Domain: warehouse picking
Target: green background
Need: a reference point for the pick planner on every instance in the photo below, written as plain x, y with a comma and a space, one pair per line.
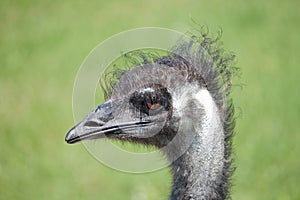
43, 43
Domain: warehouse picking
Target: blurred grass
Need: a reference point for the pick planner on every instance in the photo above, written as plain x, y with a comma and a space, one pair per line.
42, 44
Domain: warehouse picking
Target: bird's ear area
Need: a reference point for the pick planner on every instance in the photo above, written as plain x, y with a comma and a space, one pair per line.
192, 109
195, 105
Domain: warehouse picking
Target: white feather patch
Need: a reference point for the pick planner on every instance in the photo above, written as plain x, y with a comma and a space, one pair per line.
212, 120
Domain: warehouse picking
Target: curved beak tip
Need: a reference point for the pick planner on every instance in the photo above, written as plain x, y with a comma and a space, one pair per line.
72, 136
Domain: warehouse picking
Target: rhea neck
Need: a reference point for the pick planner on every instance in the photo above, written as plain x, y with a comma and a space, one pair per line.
197, 173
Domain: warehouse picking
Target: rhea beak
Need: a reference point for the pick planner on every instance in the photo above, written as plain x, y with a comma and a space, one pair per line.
101, 123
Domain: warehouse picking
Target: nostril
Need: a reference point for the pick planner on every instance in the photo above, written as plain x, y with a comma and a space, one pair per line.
93, 124
106, 117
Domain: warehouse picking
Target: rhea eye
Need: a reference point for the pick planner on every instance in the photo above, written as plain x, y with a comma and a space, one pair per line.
153, 105
150, 100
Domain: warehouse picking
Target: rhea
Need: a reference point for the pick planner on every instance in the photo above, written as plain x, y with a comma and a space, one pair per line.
179, 103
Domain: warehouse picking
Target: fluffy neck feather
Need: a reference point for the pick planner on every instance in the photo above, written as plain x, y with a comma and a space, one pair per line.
198, 173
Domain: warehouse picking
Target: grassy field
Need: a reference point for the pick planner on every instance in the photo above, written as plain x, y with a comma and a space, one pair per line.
43, 43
